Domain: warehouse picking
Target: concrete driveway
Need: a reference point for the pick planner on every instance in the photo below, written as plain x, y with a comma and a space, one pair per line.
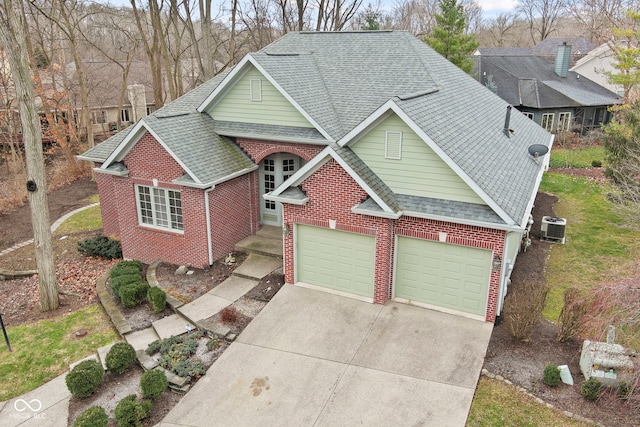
315, 359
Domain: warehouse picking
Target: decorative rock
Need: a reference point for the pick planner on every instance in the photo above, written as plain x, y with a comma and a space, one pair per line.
179, 390
221, 331
182, 270
490, 375
230, 337
147, 362
499, 377
506, 381
568, 414
173, 378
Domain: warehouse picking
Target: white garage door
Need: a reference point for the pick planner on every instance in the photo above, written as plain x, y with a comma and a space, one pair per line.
443, 275
335, 259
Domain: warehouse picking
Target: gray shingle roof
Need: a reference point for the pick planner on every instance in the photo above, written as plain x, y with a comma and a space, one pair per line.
548, 46
340, 79
512, 76
103, 150
191, 138
269, 132
448, 208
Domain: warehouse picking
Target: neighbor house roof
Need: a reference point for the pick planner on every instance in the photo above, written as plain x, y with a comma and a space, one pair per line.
548, 46
531, 81
343, 83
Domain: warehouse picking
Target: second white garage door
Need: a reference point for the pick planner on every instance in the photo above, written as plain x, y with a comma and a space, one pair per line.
443, 275
335, 259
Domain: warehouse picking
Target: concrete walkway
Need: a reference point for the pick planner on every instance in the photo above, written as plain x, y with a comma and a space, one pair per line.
54, 227
314, 359
48, 405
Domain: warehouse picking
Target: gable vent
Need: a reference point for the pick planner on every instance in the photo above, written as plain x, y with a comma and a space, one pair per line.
393, 145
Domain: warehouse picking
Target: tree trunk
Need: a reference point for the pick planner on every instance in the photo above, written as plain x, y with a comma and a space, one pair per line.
12, 30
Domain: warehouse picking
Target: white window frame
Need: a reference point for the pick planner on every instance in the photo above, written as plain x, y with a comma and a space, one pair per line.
549, 125
160, 210
393, 147
561, 122
98, 117
255, 90
529, 115
125, 115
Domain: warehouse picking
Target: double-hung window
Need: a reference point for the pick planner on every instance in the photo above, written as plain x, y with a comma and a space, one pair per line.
547, 121
159, 207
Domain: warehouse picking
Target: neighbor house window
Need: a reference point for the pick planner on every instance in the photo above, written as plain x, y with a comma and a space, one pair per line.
150, 109
98, 117
529, 115
159, 207
255, 89
547, 121
393, 145
125, 115
564, 121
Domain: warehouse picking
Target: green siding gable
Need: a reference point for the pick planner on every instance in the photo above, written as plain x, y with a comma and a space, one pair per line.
274, 109
419, 171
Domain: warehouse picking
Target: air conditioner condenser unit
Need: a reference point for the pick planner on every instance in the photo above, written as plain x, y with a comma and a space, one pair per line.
552, 229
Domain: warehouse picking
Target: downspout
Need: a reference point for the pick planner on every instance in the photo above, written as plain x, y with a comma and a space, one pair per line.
208, 220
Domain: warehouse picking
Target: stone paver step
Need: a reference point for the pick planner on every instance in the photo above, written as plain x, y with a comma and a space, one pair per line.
233, 288
203, 307
171, 326
271, 232
261, 245
140, 340
257, 266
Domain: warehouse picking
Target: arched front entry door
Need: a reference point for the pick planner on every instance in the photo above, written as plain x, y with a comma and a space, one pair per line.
274, 170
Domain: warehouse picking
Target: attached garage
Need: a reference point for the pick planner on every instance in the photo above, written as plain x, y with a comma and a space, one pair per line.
442, 275
335, 260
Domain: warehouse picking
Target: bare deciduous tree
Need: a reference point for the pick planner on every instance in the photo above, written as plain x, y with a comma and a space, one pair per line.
542, 16
12, 37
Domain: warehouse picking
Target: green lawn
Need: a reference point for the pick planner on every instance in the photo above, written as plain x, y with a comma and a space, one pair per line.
576, 158
44, 350
86, 220
496, 404
598, 244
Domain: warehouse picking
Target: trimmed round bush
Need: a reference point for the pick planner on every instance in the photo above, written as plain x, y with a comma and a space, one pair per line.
119, 281
124, 270
120, 357
129, 263
100, 246
153, 383
157, 298
590, 388
551, 375
92, 417
85, 378
623, 390
133, 294
130, 413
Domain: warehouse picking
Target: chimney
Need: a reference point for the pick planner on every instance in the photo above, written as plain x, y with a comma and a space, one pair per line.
138, 100
563, 55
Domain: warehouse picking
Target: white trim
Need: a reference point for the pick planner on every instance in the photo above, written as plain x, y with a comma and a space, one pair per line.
315, 163
545, 166
207, 213
398, 156
440, 309
153, 208
301, 202
133, 137
237, 72
217, 181
110, 172
550, 128
387, 215
89, 159
391, 105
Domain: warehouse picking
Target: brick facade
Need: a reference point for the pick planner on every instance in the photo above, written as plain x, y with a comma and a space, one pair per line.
332, 193
229, 207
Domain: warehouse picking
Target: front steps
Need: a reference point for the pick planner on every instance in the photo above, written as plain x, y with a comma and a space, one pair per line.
267, 241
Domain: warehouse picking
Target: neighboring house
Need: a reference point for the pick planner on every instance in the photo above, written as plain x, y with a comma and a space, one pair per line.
104, 78
393, 174
596, 65
548, 47
547, 92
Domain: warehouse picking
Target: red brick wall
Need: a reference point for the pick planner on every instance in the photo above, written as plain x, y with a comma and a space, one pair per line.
332, 193
258, 150
233, 215
232, 219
